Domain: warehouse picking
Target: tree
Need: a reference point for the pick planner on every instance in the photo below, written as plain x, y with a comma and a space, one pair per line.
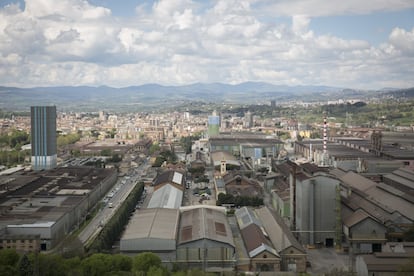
73, 266
25, 267
96, 264
157, 271
8, 270
225, 199
8, 262
144, 261
154, 148
115, 158
9, 257
121, 262
49, 264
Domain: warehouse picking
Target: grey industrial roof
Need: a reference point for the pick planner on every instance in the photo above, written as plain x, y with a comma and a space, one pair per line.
243, 139
39, 196
404, 177
246, 216
255, 241
337, 150
392, 201
167, 196
379, 262
398, 153
277, 230
170, 176
204, 223
156, 223
378, 202
356, 217
357, 181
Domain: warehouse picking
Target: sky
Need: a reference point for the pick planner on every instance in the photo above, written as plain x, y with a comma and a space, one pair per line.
356, 44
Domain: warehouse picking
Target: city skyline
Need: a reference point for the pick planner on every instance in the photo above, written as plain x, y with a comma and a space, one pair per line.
355, 44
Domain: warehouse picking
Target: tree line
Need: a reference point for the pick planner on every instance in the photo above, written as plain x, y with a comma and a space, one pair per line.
239, 201
98, 264
115, 226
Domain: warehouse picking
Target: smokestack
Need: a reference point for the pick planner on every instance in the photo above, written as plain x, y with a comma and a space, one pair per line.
325, 136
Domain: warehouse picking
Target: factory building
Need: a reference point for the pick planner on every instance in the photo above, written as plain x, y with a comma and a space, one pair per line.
246, 145
374, 212
168, 190
260, 251
43, 207
152, 230
205, 240
269, 243
315, 209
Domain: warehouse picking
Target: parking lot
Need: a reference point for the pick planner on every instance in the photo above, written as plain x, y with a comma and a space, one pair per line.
197, 194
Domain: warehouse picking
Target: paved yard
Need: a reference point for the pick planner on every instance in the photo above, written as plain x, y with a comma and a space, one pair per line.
326, 259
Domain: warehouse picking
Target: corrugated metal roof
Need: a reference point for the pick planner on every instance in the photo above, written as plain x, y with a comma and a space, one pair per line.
277, 230
245, 217
169, 176
393, 202
356, 217
153, 223
357, 181
378, 263
167, 196
408, 183
255, 241
204, 223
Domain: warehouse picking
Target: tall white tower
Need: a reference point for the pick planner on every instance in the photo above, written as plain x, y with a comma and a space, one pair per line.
325, 156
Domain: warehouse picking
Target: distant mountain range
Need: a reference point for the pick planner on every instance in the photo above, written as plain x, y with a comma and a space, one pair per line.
151, 96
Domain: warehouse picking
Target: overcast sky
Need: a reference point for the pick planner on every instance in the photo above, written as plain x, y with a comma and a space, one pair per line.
344, 43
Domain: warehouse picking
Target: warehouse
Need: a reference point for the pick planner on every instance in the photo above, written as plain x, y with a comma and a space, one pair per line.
49, 204
292, 254
168, 196
168, 190
152, 230
261, 252
205, 240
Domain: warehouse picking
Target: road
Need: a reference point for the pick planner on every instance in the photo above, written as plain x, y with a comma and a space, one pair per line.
120, 191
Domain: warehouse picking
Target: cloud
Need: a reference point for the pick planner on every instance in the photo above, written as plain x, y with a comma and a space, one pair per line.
315, 8
300, 23
402, 40
72, 9
72, 42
